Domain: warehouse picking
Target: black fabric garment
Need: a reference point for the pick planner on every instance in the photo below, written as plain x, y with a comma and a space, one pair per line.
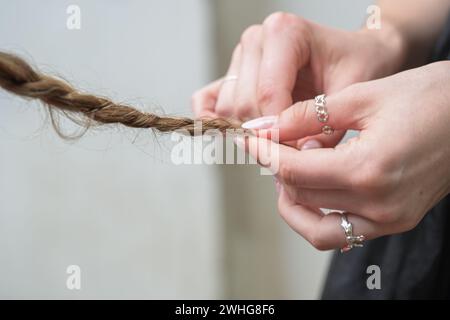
414, 265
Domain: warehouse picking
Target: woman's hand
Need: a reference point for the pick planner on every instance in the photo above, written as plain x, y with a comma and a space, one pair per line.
387, 178
289, 59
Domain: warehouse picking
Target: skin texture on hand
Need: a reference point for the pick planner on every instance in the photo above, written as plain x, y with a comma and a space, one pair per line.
419, 22
288, 59
397, 169
387, 178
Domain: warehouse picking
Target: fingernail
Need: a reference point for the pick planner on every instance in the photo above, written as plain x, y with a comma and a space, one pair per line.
239, 141
311, 144
260, 123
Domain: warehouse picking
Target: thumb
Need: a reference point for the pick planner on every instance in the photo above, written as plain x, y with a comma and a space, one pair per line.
346, 109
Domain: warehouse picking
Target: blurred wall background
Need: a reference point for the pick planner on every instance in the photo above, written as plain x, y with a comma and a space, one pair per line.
112, 202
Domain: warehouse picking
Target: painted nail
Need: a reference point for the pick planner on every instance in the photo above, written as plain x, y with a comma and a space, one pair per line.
260, 123
311, 144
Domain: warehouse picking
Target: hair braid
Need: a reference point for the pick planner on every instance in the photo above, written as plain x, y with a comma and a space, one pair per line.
18, 77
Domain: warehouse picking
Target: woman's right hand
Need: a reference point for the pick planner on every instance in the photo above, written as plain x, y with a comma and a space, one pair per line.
289, 59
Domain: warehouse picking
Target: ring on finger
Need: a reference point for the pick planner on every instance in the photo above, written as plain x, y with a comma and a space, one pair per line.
322, 113
231, 77
352, 240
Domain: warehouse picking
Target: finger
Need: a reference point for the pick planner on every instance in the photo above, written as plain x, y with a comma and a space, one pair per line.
323, 168
322, 198
346, 109
324, 232
281, 60
317, 141
225, 101
338, 199
325, 141
304, 144
204, 100
245, 102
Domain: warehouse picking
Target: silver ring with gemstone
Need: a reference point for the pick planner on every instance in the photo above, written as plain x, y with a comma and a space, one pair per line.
322, 113
352, 240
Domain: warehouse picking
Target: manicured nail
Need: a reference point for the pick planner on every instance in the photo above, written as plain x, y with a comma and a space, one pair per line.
260, 123
311, 144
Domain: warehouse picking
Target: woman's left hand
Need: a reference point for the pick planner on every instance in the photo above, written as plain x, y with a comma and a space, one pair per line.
387, 178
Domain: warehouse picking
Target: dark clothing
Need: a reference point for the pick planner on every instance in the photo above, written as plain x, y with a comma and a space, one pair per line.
442, 50
413, 265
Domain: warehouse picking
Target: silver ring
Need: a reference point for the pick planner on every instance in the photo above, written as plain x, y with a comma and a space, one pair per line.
230, 78
352, 241
322, 113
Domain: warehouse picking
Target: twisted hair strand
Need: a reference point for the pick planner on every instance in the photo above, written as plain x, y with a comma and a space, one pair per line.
18, 77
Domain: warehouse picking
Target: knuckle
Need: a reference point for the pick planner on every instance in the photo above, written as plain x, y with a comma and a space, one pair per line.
373, 179
383, 216
280, 20
250, 34
244, 110
224, 105
298, 112
355, 89
266, 94
288, 174
224, 111
408, 224
318, 241
403, 223
402, 216
357, 94
244, 106
381, 212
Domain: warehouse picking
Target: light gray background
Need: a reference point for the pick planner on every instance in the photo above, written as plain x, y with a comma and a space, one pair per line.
112, 202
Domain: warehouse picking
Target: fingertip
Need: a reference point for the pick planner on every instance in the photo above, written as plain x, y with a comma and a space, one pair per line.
311, 144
